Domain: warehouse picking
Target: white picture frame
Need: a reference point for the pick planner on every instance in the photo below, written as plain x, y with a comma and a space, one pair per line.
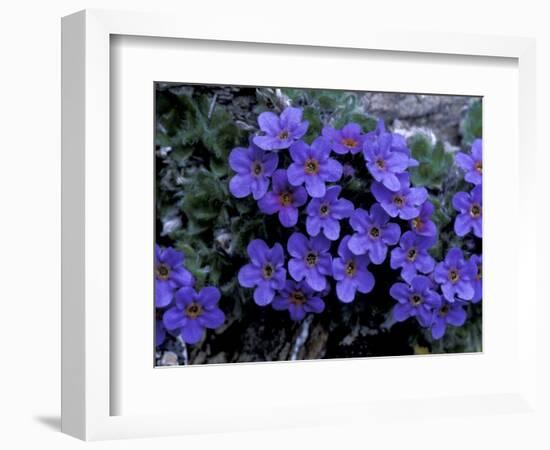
87, 325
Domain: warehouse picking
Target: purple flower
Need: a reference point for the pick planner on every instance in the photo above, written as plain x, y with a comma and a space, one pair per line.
324, 213
471, 164
351, 273
280, 132
373, 233
283, 199
405, 202
455, 276
447, 314
299, 299
416, 299
310, 260
169, 275
265, 272
313, 166
477, 280
470, 209
348, 139
422, 224
398, 143
412, 255
194, 312
253, 167
386, 155
160, 332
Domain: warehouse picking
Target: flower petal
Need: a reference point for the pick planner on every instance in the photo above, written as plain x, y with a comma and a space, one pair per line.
164, 293
192, 332
212, 318
174, 318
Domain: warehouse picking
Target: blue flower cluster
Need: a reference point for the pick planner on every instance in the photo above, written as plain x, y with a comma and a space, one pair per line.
180, 310
433, 292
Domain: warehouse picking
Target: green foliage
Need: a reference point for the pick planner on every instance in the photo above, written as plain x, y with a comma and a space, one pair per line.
434, 162
335, 108
472, 124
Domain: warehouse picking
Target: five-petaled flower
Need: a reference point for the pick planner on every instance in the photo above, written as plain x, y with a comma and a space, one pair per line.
170, 274
280, 132
472, 164
398, 142
404, 202
373, 233
253, 167
478, 279
351, 273
283, 199
469, 206
456, 275
412, 255
310, 260
348, 139
422, 224
313, 166
265, 271
298, 298
324, 214
416, 299
383, 160
194, 312
447, 314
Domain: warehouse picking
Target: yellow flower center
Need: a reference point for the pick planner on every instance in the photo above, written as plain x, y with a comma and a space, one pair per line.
311, 167
479, 166
162, 272
351, 268
257, 168
297, 298
324, 210
268, 271
311, 259
285, 198
411, 254
374, 232
399, 201
283, 135
193, 310
453, 275
475, 211
416, 299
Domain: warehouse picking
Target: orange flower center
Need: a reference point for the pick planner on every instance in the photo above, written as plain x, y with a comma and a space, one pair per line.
349, 142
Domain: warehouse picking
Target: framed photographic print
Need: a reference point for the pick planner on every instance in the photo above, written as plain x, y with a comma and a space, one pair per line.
262, 231
303, 201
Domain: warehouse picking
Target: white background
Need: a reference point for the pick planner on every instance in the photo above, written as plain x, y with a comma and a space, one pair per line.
30, 193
